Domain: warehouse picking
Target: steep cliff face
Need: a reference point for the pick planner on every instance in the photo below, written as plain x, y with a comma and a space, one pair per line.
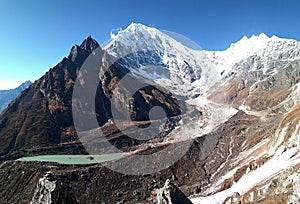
41, 117
41, 114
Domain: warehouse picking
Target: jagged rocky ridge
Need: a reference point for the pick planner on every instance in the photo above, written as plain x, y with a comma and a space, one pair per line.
252, 156
40, 119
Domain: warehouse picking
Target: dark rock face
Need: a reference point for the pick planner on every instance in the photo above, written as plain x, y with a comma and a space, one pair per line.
41, 117
6, 96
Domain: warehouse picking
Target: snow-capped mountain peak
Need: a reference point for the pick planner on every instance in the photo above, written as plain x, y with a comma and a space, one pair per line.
265, 48
132, 28
137, 27
258, 43
253, 43
135, 37
167, 58
170, 63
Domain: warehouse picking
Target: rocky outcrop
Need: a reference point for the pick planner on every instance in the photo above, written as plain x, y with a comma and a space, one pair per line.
170, 194
42, 194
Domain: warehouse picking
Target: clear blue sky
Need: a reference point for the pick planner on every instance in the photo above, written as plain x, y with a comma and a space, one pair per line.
37, 34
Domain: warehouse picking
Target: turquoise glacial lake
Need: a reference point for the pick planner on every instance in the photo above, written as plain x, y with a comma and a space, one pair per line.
73, 159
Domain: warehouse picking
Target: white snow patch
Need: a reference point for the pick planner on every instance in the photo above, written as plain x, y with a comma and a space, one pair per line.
250, 180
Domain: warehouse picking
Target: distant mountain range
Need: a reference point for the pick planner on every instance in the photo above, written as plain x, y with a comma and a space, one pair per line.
6, 96
241, 107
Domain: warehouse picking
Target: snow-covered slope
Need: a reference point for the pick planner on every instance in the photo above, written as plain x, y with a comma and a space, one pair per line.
264, 52
155, 55
184, 70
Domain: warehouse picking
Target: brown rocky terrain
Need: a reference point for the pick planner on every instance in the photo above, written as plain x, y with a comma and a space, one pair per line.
41, 117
